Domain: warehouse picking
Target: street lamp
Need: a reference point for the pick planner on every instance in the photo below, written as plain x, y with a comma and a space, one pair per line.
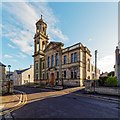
9, 66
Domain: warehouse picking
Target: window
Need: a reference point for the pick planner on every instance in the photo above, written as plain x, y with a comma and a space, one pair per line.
75, 57
71, 74
52, 60
72, 58
43, 76
36, 76
65, 59
48, 61
56, 59
88, 63
36, 66
64, 74
43, 65
57, 75
75, 75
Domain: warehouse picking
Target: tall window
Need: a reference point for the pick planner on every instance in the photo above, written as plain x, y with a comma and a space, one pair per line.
75, 57
43, 65
88, 65
64, 74
36, 76
65, 59
71, 74
52, 60
72, 58
43, 76
48, 61
57, 75
56, 59
36, 66
75, 74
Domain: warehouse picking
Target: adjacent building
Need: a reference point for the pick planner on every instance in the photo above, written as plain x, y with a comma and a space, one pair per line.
21, 77
2, 72
55, 64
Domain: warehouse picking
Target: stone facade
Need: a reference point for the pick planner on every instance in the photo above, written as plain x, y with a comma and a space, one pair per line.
2, 72
58, 65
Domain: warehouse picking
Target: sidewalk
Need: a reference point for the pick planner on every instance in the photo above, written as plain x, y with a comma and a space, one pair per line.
97, 95
8, 101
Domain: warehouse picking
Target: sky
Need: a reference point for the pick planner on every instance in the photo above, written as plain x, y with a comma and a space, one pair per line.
94, 24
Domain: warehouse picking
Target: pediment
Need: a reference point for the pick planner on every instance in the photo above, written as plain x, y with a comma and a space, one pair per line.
53, 45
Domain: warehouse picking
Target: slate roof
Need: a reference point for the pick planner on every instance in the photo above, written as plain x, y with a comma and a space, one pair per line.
20, 71
1, 64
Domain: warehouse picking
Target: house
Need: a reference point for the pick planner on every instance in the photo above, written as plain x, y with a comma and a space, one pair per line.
21, 77
2, 72
55, 64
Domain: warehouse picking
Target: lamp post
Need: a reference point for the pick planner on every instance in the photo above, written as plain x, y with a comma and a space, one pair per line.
9, 66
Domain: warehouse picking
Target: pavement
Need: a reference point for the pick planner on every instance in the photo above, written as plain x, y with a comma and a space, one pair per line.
8, 101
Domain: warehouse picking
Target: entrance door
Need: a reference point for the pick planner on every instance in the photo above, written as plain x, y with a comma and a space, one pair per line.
52, 78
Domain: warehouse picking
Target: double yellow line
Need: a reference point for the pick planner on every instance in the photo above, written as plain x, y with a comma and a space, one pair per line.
22, 102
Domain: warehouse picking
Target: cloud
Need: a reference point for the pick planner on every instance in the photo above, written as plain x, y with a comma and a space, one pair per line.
21, 55
7, 56
106, 63
19, 26
11, 45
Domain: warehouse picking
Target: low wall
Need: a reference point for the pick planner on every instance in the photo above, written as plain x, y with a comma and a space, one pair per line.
105, 90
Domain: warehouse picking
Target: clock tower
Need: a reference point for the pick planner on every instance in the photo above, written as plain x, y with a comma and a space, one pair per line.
40, 43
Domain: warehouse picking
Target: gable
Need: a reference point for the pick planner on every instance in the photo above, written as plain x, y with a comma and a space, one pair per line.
53, 45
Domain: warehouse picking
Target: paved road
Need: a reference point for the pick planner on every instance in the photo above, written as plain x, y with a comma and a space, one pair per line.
57, 104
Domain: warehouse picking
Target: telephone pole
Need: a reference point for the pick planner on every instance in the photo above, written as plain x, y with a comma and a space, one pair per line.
95, 64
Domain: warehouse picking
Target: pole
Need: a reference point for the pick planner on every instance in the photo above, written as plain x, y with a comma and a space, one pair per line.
9, 79
95, 68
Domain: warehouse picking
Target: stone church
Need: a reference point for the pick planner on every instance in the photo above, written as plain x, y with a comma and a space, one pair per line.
56, 65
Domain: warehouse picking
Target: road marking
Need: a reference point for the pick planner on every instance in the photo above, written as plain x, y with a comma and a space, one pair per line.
22, 102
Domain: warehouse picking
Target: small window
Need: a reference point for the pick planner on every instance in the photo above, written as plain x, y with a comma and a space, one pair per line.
43, 65
43, 76
56, 59
36, 76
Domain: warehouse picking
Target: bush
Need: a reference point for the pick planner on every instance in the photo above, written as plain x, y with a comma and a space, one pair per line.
111, 82
102, 81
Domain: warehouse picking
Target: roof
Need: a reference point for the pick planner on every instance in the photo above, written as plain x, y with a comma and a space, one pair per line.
1, 64
20, 71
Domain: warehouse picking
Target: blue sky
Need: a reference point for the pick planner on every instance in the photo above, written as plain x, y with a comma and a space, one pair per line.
93, 24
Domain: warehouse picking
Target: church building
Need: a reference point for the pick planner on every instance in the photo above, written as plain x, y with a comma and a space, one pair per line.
56, 65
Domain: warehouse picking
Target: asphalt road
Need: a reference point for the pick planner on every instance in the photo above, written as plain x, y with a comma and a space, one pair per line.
56, 104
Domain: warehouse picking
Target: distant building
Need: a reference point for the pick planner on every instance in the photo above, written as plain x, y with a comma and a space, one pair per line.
2, 72
21, 77
54, 64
